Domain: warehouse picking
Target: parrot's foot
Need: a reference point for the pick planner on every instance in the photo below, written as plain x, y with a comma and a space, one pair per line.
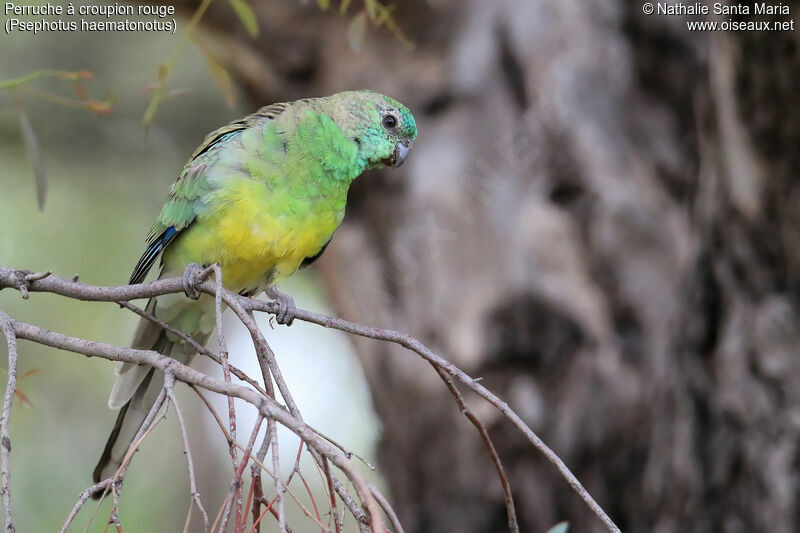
286, 307
193, 275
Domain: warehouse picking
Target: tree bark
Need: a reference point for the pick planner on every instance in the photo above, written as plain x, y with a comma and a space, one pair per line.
600, 217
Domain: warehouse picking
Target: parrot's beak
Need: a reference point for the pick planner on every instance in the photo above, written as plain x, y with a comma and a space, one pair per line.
400, 153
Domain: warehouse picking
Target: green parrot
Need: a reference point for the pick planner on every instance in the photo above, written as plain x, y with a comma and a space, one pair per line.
261, 197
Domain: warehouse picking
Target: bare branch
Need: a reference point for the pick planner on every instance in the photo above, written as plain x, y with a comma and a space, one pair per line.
237, 480
387, 508
236, 498
329, 481
255, 472
82, 499
487, 441
169, 382
437, 361
243, 307
268, 407
256, 461
5, 439
193, 343
279, 487
266, 358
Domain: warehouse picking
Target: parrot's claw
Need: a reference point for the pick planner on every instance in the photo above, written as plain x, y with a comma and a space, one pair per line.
286, 307
191, 276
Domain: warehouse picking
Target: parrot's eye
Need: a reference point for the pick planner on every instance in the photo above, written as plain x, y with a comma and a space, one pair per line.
389, 121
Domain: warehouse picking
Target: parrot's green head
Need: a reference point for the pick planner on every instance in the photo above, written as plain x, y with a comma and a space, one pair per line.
382, 128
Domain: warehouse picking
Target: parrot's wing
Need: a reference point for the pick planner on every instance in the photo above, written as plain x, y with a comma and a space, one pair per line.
267, 112
179, 210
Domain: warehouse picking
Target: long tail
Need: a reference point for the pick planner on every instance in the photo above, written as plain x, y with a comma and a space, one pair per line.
137, 387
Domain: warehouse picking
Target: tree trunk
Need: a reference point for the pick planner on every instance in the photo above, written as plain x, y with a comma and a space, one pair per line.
601, 218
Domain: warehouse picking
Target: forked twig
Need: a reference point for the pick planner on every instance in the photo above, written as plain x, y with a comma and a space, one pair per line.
202, 350
169, 382
513, 525
243, 307
258, 463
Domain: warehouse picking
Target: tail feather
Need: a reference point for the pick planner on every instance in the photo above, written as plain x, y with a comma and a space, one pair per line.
127, 425
138, 386
105, 459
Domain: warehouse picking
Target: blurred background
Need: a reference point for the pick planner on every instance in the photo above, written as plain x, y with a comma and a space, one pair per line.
600, 217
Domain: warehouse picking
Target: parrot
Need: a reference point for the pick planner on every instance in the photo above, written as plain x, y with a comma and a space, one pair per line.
261, 197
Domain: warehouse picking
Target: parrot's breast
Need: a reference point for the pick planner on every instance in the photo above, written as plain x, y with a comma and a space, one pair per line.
259, 235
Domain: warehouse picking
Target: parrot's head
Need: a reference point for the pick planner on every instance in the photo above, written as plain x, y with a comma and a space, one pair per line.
382, 128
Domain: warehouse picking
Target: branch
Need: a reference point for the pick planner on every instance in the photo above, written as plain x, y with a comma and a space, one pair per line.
257, 464
226, 372
487, 441
268, 407
279, 487
82, 499
202, 350
6, 325
437, 361
27, 282
169, 381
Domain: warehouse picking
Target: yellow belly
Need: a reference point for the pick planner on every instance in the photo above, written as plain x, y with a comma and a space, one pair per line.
257, 235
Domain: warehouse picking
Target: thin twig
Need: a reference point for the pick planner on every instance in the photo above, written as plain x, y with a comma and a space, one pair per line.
144, 430
256, 461
226, 372
82, 499
115, 481
237, 478
255, 475
296, 470
57, 285
291, 493
265, 354
437, 361
257, 522
255, 472
5, 438
114, 517
225, 505
329, 480
193, 343
248, 503
35, 276
311, 497
513, 526
279, 486
387, 508
169, 382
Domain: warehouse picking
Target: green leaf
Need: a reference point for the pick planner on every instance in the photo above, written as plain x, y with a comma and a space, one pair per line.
561, 527
384, 14
324, 4
371, 6
220, 75
356, 31
246, 15
59, 74
35, 155
343, 7
163, 72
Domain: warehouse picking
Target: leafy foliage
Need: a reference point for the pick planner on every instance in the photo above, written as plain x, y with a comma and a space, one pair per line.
21, 84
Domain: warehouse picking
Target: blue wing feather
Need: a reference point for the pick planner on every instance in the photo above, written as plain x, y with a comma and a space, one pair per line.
154, 247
